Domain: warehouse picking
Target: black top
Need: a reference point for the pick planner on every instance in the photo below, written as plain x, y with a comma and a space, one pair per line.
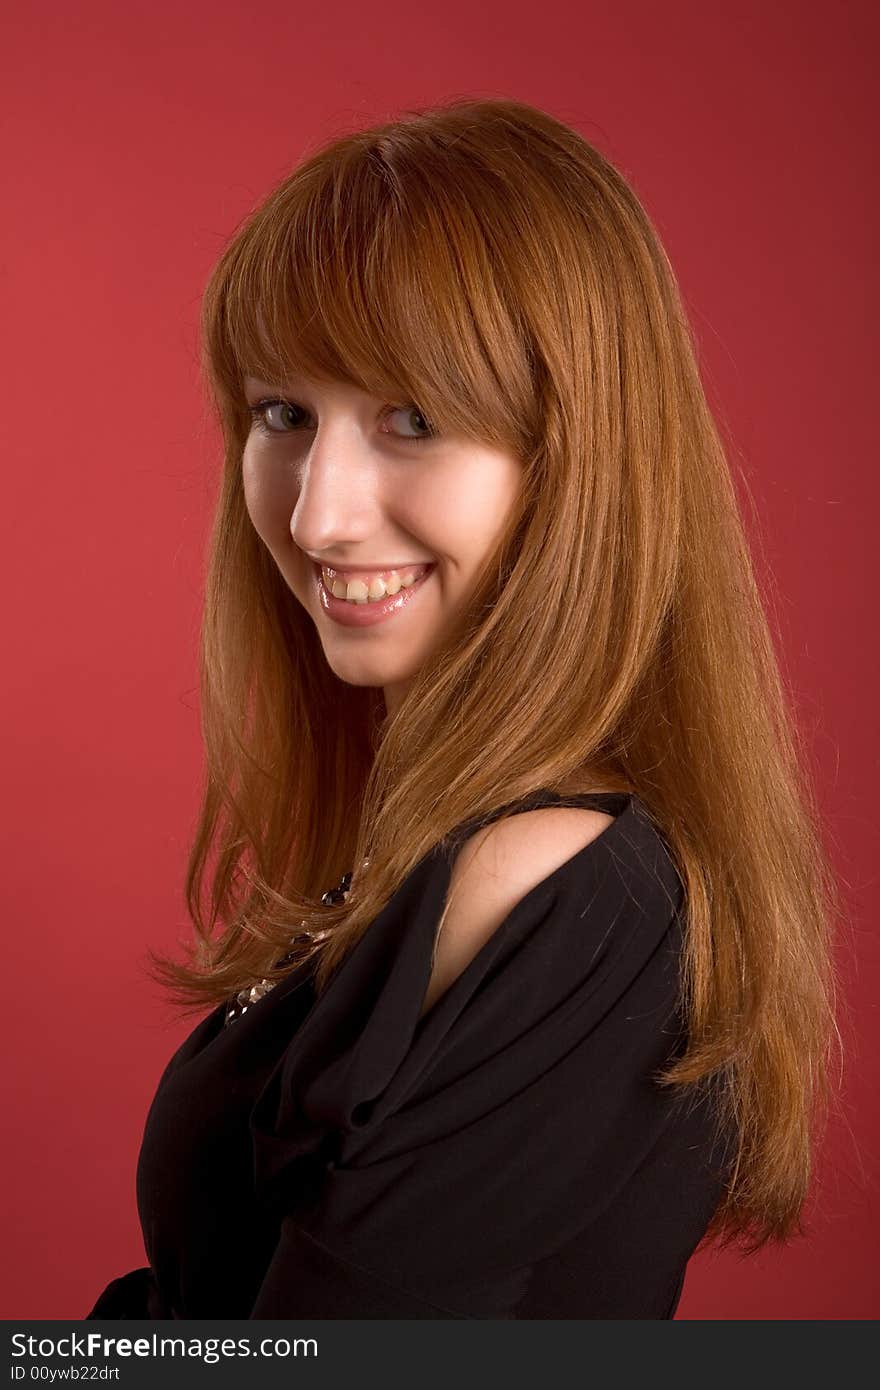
505, 1156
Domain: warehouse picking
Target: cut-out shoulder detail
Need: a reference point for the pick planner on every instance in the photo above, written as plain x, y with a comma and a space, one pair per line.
325, 1124
493, 870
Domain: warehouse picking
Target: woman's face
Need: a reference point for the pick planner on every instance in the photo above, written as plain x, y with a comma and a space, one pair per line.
355, 483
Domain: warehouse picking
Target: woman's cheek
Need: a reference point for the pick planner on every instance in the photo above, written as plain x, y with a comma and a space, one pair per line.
268, 504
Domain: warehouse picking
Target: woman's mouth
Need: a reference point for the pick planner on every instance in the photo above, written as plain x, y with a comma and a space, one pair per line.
363, 611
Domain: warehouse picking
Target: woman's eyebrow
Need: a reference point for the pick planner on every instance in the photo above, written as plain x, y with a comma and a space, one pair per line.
292, 383
249, 379
300, 386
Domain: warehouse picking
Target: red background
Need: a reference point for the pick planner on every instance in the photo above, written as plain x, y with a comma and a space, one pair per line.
137, 137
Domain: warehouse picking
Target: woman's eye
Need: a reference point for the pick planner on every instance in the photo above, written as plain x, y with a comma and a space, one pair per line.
278, 417
280, 423
411, 413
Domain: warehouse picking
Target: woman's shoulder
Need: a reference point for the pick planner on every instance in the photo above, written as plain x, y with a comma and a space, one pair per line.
494, 869
576, 850
556, 836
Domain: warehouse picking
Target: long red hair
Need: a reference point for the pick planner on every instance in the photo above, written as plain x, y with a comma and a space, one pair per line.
485, 261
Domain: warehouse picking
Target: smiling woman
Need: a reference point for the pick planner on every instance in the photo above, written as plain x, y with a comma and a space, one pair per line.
496, 665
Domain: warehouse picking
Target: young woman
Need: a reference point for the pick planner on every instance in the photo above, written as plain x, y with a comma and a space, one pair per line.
482, 645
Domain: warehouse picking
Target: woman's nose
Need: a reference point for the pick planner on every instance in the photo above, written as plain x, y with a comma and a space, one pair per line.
337, 498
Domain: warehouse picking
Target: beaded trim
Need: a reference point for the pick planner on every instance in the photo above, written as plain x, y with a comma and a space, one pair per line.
241, 1002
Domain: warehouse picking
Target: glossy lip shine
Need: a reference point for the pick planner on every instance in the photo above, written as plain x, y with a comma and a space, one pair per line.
366, 614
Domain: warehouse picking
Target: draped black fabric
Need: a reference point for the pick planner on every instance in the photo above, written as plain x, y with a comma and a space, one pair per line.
508, 1155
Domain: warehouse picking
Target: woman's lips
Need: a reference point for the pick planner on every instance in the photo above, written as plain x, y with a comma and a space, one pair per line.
373, 611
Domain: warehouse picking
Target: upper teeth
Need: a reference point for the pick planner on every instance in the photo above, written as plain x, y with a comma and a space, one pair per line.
379, 585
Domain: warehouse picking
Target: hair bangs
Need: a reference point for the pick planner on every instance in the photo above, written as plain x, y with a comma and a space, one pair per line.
374, 271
